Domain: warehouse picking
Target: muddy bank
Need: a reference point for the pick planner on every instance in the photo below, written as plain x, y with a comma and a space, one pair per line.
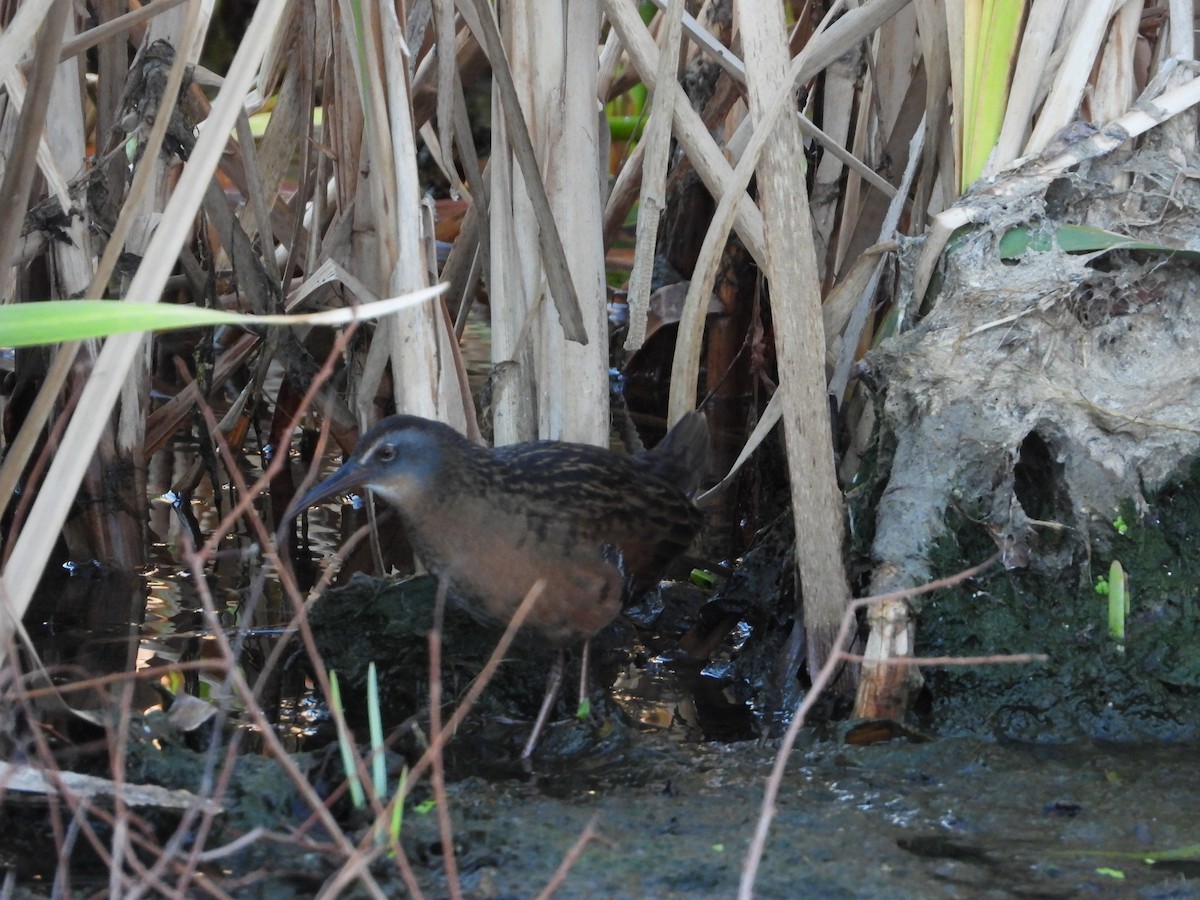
960, 817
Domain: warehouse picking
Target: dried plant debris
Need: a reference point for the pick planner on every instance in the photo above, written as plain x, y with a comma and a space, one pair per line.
1072, 372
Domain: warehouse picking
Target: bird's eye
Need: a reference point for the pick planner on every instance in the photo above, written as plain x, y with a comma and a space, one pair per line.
385, 453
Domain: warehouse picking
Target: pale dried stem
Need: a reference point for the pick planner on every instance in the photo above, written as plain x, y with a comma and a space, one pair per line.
101, 391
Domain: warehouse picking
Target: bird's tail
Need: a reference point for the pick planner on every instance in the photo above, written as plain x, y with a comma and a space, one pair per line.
681, 457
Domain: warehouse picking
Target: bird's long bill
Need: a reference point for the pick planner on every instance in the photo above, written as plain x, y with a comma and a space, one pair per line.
346, 479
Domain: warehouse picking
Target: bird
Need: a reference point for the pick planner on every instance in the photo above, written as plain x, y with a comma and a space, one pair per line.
596, 526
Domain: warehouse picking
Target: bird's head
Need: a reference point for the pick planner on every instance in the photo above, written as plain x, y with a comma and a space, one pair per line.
399, 460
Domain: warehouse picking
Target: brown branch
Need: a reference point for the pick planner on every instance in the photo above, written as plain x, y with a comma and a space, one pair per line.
568, 861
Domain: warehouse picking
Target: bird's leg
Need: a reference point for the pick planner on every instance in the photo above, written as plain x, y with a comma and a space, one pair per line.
553, 685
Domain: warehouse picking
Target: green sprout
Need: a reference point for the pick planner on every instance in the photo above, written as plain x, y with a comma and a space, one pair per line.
378, 757
375, 726
345, 741
1118, 604
1120, 524
398, 810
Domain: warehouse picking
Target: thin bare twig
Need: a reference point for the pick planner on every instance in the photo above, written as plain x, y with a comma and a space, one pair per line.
438, 775
236, 682
353, 866
568, 861
836, 658
998, 659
